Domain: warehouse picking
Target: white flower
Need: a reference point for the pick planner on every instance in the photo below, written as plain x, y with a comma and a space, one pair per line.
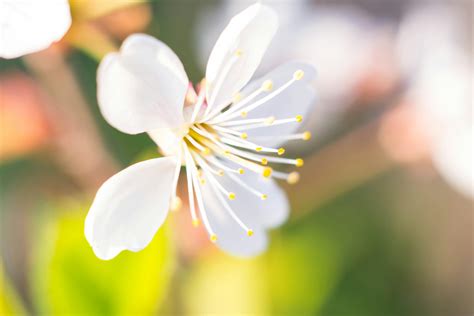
28, 26
226, 135
321, 34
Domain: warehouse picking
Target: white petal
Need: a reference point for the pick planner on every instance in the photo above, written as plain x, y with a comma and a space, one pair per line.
142, 87
269, 213
249, 33
130, 207
31, 26
232, 238
297, 99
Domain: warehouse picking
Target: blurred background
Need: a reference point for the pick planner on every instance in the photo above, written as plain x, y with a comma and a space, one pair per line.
382, 219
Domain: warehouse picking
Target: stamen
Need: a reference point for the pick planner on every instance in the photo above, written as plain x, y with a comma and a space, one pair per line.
291, 177
298, 75
248, 188
226, 152
191, 194
220, 165
220, 81
206, 168
268, 122
218, 117
266, 159
247, 121
306, 135
177, 170
200, 201
227, 206
300, 136
299, 162
203, 149
258, 103
237, 97
230, 140
267, 85
200, 101
229, 131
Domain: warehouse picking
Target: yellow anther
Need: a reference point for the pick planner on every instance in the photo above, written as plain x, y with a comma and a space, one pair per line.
203, 181
206, 151
226, 152
249, 232
270, 120
176, 204
213, 238
306, 135
299, 162
243, 114
239, 52
267, 85
241, 171
237, 97
196, 222
298, 75
267, 172
244, 135
258, 149
281, 151
293, 178
231, 196
264, 161
220, 173
263, 197
299, 118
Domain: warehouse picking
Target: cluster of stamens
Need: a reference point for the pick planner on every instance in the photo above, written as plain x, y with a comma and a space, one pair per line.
218, 145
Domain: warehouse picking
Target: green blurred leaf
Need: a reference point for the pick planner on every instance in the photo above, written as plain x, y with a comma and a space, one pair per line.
70, 279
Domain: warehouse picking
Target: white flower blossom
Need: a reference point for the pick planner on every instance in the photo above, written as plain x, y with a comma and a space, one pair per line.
227, 135
28, 26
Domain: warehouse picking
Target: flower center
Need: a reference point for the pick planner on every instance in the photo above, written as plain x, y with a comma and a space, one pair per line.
218, 145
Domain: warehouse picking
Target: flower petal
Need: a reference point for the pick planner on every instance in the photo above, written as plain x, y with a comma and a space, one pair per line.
31, 26
130, 207
269, 213
297, 99
142, 87
238, 52
231, 237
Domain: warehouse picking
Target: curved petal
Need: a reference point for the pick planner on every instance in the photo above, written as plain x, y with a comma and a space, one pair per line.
238, 52
142, 87
31, 26
297, 99
269, 213
130, 207
232, 238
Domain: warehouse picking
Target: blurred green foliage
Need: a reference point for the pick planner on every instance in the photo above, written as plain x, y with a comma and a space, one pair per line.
70, 279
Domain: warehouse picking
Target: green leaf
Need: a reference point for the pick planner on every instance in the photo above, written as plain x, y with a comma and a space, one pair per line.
70, 279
